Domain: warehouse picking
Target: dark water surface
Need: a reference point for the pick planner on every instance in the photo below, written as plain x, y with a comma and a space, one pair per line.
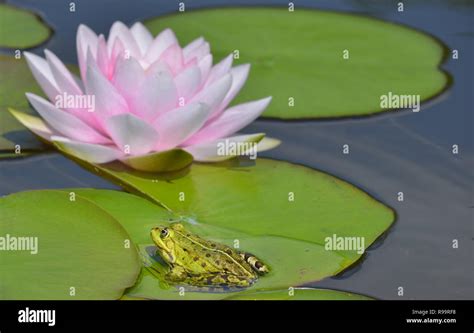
404, 151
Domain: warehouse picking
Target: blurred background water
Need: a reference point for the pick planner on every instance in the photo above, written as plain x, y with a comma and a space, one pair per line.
404, 151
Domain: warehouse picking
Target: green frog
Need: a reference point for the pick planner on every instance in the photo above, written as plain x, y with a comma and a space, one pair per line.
198, 262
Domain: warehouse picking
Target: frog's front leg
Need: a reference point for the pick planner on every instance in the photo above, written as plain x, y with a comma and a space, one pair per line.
176, 274
256, 264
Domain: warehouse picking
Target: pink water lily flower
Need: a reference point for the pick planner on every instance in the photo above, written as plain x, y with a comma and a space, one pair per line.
140, 97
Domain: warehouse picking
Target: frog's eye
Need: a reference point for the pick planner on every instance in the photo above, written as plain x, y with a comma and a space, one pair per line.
164, 233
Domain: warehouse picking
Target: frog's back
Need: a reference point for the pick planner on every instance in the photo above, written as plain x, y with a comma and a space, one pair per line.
222, 256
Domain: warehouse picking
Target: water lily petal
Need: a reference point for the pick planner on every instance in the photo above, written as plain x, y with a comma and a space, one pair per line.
90, 152
102, 57
205, 65
191, 47
108, 101
173, 57
120, 31
216, 151
231, 121
164, 40
43, 75
128, 76
131, 134
220, 69
68, 86
34, 124
188, 81
177, 125
117, 50
142, 36
239, 76
86, 39
57, 81
63, 78
267, 143
65, 123
157, 67
215, 93
156, 95
199, 52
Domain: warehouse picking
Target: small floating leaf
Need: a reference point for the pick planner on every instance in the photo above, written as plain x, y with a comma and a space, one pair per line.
21, 28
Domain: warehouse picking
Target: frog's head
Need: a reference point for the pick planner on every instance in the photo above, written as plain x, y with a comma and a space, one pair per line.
167, 241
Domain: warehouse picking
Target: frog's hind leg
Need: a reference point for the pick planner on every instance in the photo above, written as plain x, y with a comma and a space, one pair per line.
256, 264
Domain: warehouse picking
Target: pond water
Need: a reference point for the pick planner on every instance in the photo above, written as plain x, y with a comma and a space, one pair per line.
399, 152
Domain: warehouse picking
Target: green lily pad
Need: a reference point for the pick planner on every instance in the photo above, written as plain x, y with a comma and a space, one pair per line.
299, 55
81, 249
292, 262
255, 199
21, 28
250, 204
